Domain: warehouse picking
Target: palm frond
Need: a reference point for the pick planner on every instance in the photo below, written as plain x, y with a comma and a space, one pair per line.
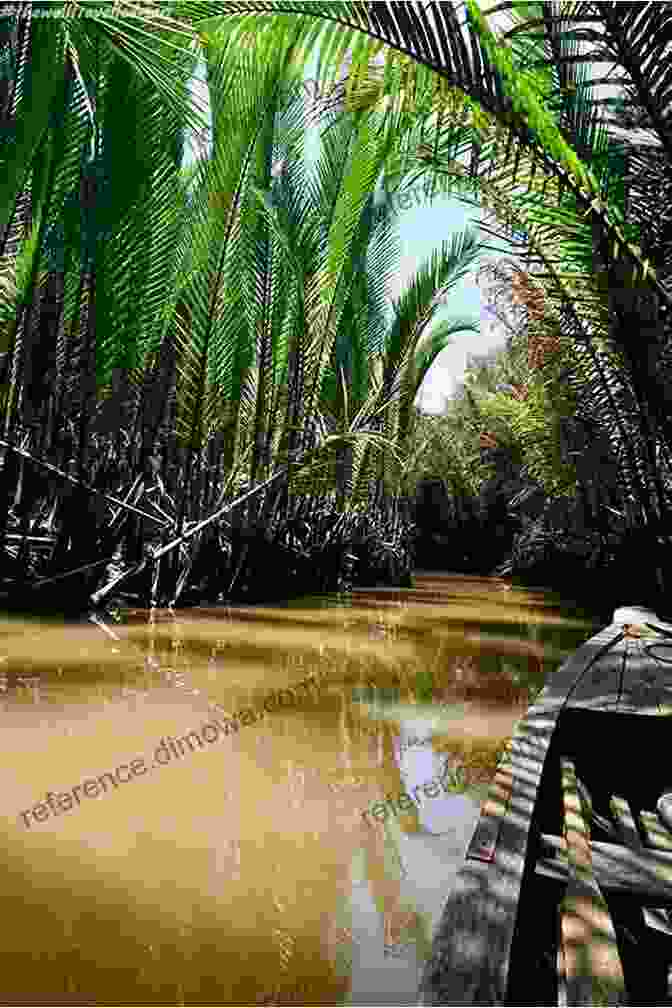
420, 302
468, 56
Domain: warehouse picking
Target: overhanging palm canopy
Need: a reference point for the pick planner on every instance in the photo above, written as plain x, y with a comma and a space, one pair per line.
545, 154
457, 44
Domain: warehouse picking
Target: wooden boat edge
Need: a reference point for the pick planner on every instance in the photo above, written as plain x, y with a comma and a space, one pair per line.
471, 948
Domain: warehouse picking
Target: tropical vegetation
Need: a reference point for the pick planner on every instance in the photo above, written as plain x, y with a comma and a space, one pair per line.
543, 488
516, 114
203, 379
177, 339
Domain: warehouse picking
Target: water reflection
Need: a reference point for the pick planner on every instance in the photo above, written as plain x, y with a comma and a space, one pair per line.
247, 872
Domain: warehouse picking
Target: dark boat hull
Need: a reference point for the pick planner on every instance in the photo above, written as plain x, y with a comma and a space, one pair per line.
496, 939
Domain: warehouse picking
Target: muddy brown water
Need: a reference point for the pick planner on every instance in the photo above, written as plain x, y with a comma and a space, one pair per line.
183, 793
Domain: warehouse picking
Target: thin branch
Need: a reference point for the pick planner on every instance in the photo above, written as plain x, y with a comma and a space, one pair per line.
82, 486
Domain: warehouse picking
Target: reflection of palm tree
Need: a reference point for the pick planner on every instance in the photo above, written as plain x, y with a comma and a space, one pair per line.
380, 740
346, 734
385, 873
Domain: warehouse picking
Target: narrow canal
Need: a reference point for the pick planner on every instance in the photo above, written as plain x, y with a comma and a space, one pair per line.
254, 806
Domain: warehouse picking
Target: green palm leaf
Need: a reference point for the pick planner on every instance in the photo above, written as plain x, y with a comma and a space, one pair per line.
437, 341
485, 71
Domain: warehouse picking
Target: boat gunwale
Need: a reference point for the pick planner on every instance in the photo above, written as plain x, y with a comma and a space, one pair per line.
472, 945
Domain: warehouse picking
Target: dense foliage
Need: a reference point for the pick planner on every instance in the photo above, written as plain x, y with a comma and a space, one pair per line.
544, 489
203, 380
176, 339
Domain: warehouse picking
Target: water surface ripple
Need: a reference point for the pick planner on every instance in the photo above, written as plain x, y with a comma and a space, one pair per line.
250, 868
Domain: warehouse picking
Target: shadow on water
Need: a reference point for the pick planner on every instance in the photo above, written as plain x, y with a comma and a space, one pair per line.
245, 869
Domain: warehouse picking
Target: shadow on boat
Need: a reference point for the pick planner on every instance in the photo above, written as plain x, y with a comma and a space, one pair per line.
497, 941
